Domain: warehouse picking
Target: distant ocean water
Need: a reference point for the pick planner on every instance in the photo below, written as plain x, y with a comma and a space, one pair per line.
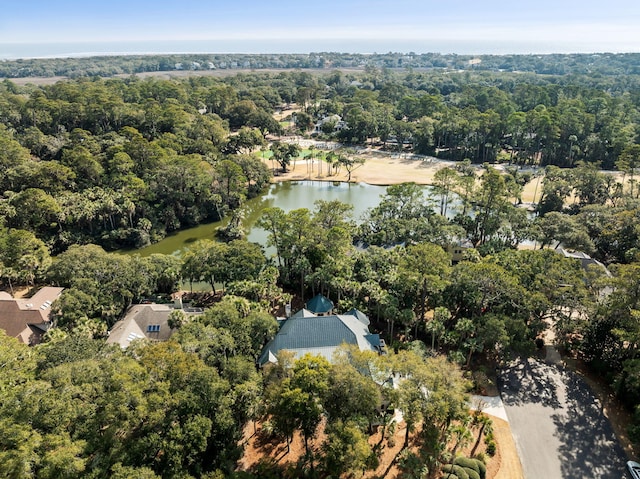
12, 51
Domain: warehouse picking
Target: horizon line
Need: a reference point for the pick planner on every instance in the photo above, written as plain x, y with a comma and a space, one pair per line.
93, 54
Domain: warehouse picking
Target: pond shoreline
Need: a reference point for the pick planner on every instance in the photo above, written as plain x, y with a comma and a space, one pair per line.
303, 184
287, 195
387, 168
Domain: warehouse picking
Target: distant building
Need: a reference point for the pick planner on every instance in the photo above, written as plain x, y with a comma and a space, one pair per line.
585, 260
146, 321
27, 319
588, 262
458, 249
322, 333
335, 120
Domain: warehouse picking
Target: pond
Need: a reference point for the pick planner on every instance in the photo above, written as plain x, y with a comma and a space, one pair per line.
285, 195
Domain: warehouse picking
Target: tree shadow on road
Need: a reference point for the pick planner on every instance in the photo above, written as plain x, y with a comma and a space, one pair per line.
589, 447
527, 381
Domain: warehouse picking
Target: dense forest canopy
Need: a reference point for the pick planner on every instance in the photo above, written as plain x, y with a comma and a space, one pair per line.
95, 164
122, 162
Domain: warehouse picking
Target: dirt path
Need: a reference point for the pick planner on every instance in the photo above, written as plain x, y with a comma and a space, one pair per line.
510, 466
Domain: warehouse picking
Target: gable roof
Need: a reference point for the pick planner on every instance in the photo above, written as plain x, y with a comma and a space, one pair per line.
142, 321
148, 321
303, 313
28, 318
319, 304
320, 335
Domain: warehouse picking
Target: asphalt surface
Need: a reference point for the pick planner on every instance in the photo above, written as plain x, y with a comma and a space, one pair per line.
558, 424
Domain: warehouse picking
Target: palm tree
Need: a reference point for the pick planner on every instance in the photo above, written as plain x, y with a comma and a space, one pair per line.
486, 427
436, 326
330, 158
462, 437
628, 162
312, 155
320, 160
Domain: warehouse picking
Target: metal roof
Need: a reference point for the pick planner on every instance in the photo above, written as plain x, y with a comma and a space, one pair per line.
302, 334
363, 318
319, 304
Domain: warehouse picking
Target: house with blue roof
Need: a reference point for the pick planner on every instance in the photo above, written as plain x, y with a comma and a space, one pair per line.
320, 305
315, 330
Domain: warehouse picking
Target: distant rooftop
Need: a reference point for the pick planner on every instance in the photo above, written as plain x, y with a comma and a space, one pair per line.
585, 259
28, 318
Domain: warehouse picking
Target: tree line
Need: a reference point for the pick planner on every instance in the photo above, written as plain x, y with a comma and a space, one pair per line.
123, 162
511, 118
106, 66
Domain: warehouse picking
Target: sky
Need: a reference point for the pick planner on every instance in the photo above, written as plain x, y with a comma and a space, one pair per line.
51, 28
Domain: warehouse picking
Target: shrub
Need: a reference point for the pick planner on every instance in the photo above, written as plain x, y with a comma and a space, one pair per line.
390, 434
476, 464
446, 470
458, 471
268, 429
472, 473
480, 457
482, 467
467, 462
491, 448
412, 466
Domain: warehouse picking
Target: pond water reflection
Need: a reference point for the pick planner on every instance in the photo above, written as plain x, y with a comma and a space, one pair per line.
286, 195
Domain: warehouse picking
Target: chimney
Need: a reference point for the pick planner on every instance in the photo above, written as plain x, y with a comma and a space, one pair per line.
177, 302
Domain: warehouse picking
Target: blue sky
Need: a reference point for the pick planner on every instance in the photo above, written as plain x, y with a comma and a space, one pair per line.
448, 26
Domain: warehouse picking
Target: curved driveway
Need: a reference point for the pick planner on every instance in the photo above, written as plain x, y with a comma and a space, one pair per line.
558, 424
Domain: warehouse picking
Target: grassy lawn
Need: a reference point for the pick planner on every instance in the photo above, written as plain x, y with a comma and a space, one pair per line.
268, 154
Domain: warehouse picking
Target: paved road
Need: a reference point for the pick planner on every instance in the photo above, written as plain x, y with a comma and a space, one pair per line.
557, 424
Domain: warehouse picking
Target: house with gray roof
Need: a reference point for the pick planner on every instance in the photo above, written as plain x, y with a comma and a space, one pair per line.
586, 261
27, 319
146, 321
335, 122
308, 332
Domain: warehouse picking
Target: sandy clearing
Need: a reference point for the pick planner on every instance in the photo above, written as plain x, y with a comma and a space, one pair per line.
387, 168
